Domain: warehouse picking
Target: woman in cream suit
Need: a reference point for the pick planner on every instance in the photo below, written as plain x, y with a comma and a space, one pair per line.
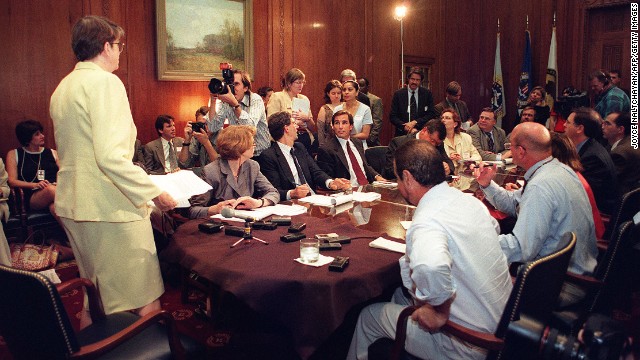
102, 196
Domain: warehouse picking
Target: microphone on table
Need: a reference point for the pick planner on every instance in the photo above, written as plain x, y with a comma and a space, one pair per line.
229, 213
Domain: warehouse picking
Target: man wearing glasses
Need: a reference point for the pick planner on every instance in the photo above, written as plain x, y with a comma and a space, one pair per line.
240, 106
551, 203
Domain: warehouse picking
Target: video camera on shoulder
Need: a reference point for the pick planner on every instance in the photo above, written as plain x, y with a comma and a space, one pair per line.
217, 86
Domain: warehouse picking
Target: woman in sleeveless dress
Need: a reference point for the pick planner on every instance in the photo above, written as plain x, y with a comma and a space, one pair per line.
33, 167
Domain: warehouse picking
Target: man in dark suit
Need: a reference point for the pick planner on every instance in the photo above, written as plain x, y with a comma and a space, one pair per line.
489, 139
453, 92
617, 130
343, 157
411, 107
433, 132
161, 154
287, 164
583, 128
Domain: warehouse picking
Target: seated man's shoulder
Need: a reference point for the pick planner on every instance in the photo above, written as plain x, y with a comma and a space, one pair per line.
152, 143
474, 129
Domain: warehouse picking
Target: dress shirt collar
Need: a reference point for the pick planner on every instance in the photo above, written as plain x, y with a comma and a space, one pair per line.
246, 100
580, 145
343, 142
286, 149
613, 146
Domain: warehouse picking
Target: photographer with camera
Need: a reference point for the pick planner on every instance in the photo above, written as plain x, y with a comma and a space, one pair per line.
238, 105
202, 150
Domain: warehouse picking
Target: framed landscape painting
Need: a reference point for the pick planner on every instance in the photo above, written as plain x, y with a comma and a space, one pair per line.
195, 36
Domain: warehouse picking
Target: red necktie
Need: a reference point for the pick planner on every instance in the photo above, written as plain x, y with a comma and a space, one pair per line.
362, 180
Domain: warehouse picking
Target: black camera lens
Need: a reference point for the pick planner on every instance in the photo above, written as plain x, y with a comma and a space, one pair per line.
217, 86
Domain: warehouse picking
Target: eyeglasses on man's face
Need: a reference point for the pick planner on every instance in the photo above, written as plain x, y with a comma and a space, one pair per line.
120, 45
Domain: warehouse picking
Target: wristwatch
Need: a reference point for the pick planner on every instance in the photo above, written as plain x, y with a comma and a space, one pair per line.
237, 106
186, 144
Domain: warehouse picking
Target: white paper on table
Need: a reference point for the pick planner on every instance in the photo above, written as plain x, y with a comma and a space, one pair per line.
322, 261
288, 210
384, 184
301, 104
366, 196
406, 224
323, 200
498, 163
181, 185
382, 243
258, 214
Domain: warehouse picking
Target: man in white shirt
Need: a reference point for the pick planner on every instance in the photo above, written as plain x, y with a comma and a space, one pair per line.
453, 266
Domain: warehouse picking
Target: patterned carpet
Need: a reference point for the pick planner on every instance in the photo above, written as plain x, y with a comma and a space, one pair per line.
237, 334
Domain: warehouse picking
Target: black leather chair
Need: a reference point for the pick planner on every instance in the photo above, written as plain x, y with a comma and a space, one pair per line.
611, 279
34, 325
13, 226
535, 293
377, 157
629, 206
33, 220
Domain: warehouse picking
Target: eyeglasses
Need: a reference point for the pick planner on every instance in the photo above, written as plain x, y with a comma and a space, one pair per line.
299, 82
120, 45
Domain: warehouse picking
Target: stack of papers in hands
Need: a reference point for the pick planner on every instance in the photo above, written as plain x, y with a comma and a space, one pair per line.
382, 243
181, 185
324, 200
384, 184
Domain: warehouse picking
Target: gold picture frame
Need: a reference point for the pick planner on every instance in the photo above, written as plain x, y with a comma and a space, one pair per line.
188, 51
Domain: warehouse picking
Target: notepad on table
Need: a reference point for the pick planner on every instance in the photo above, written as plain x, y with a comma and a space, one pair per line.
382, 243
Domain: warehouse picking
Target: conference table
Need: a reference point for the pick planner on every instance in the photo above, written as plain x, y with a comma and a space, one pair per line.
310, 301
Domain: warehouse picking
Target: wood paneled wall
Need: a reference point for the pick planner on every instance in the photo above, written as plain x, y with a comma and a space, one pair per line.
319, 37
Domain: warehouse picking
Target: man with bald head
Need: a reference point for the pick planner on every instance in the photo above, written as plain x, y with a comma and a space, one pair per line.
551, 203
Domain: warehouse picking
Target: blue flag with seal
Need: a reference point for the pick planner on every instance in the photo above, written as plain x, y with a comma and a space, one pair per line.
525, 74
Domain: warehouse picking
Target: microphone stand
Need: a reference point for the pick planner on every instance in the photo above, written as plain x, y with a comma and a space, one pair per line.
248, 235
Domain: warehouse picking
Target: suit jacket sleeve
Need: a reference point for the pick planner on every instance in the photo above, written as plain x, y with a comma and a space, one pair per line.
263, 189
397, 113
271, 170
319, 177
430, 113
446, 158
370, 172
151, 161
390, 156
327, 161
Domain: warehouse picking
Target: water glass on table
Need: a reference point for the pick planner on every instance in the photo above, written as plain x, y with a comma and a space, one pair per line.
309, 250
